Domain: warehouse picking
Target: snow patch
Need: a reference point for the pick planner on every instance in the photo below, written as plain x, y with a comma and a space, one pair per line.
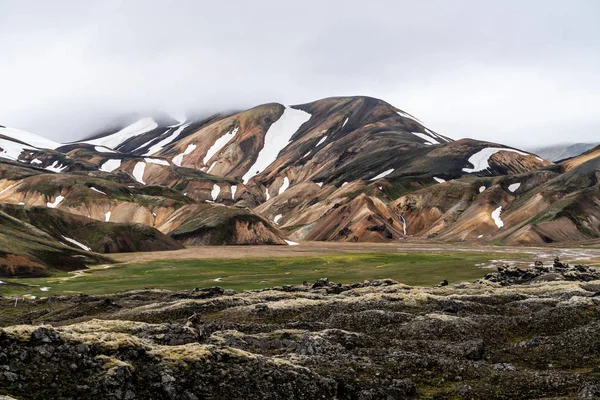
29, 138
214, 193
428, 139
178, 159
56, 167
496, 217
45, 288
157, 161
96, 190
138, 172
110, 165
107, 216
481, 158
324, 138
439, 180
12, 150
344, 184
383, 174
267, 194
514, 187
290, 243
101, 149
481, 189
36, 161
277, 218
219, 144
285, 185
56, 202
137, 128
277, 137
345, 122
233, 190
307, 154
319, 183
76, 243
160, 145
217, 279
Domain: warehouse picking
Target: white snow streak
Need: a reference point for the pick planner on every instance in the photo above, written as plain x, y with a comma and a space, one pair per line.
138, 172
96, 190
324, 138
56, 202
514, 187
101, 149
56, 167
110, 165
214, 193
277, 218
290, 243
344, 184
439, 180
36, 161
481, 189
307, 154
267, 194
277, 137
319, 183
285, 185
113, 141
219, 144
107, 216
76, 243
233, 190
481, 158
345, 122
407, 115
160, 145
383, 174
157, 161
496, 217
178, 159
428, 139
45, 288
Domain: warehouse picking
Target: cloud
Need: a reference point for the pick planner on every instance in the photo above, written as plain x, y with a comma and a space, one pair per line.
521, 73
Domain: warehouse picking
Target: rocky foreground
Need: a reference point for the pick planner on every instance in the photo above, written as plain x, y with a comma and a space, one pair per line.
517, 333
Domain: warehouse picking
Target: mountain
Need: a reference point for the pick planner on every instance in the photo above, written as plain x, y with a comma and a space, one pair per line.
563, 151
337, 169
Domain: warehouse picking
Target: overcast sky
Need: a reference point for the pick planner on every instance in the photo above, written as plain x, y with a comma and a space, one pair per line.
516, 72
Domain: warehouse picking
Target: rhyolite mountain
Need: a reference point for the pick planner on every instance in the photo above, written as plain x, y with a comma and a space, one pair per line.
337, 169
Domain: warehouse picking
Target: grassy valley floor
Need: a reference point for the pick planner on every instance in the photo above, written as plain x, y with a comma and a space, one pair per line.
254, 267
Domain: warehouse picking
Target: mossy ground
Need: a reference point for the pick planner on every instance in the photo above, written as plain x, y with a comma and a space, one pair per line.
253, 273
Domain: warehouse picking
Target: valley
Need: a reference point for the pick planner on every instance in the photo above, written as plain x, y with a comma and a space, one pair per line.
257, 267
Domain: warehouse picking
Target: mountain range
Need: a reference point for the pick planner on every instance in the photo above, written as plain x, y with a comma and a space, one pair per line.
337, 169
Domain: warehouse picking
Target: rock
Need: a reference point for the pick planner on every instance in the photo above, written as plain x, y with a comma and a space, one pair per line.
504, 367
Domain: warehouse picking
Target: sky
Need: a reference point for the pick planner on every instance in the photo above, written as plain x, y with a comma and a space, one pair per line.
522, 73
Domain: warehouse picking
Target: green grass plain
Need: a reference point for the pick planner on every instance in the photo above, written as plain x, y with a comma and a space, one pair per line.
411, 268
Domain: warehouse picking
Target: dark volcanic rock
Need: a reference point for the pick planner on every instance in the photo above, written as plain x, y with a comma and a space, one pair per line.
515, 335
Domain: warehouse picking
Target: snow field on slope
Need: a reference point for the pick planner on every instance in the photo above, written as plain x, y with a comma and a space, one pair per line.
12, 150
178, 159
513, 188
56, 202
114, 140
219, 144
110, 165
496, 217
277, 137
160, 145
480, 160
383, 174
76, 243
29, 138
428, 139
214, 193
285, 185
138, 172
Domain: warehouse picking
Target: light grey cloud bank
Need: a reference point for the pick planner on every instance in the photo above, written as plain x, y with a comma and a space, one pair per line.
516, 72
